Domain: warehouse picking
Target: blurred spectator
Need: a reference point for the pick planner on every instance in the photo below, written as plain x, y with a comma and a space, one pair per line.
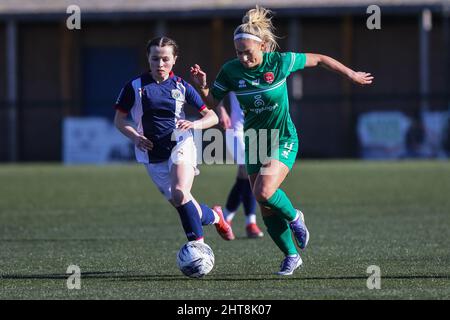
415, 138
446, 137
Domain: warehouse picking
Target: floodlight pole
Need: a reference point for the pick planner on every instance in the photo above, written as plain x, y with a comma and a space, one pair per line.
446, 35
424, 79
12, 98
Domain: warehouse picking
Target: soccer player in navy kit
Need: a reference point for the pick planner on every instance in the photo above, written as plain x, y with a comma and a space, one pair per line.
163, 141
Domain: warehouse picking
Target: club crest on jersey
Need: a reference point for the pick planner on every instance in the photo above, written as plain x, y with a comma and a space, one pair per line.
269, 77
176, 94
242, 84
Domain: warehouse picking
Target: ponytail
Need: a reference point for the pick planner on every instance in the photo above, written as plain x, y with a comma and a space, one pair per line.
257, 22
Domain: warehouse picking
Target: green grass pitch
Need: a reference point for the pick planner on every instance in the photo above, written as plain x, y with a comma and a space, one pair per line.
113, 223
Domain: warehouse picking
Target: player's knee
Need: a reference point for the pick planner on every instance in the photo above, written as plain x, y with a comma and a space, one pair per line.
263, 194
178, 196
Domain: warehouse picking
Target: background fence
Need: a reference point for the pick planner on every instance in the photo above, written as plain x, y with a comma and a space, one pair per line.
49, 73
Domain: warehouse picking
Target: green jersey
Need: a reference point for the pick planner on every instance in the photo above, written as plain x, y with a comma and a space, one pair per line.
262, 91
263, 96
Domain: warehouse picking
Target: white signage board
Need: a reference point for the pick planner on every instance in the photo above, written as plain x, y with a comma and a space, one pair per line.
94, 141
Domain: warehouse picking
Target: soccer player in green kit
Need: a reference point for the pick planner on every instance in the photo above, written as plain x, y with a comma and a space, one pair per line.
258, 77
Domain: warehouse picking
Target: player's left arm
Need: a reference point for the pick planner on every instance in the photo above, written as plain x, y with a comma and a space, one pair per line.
358, 77
209, 117
208, 120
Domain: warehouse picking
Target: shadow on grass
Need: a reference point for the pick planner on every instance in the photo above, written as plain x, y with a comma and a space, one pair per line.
130, 277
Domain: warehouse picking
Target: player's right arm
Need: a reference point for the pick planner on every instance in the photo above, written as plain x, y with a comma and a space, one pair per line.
124, 104
140, 141
214, 97
199, 79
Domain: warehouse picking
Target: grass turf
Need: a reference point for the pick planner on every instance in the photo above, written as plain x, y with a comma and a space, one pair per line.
112, 222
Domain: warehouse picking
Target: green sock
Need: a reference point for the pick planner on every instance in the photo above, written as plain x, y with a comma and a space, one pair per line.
281, 203
279, 231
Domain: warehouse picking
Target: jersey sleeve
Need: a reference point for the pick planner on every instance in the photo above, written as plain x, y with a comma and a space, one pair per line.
193, 98
297, 61
220, 87
126, 98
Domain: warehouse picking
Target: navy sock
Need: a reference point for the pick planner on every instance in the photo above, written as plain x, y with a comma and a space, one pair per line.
248, 199
234, 197
207, 215
190, 220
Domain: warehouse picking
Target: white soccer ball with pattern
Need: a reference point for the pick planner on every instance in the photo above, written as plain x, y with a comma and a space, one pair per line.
195, 259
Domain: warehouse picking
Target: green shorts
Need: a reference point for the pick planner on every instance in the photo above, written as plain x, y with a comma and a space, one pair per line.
286, 153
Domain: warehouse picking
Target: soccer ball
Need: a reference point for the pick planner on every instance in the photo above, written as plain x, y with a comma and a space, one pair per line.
195, 259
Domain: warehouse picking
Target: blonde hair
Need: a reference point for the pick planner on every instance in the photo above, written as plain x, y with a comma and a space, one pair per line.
258, 22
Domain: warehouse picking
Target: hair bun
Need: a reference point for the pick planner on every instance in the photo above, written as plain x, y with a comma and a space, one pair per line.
257, 21
258, 16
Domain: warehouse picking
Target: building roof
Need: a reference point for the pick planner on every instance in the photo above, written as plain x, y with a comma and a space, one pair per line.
59, 7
